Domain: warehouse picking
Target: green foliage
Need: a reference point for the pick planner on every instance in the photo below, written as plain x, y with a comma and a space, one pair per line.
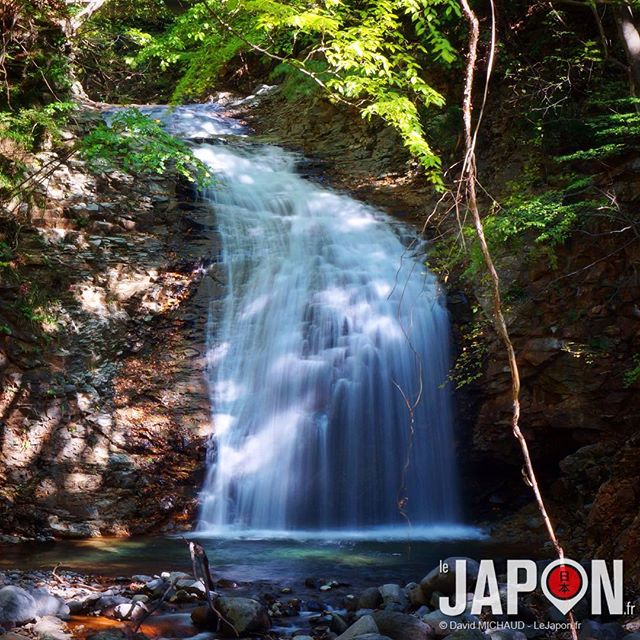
371, 54
633, 374
28, 126
197, 46
469, 364
136, 143
376, 53
295, 85
109, 44
612, 130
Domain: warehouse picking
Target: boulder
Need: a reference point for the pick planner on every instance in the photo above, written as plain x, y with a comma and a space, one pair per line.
393, 597
109, 634
592, 630
16, 605
415, 594
370, 598
443, 625
445, 583
240, 617
48, 605
401, 626
50, 628
507, 634
365, 625
467, 634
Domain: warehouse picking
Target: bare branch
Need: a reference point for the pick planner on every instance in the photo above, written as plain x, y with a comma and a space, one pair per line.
469, 175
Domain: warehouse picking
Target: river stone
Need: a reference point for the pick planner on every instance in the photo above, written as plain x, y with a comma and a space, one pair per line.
372, 636
415, 594
337, 624
50, 628
129, 611
246, 616
393, 597
16, 605
109, 634
48, 605
507, 634
195, 587
467, 634
401, 626
445, 583
592, 630
366, 624
443, 625
370, 598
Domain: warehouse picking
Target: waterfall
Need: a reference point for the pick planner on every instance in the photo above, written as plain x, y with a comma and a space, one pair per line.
330, 330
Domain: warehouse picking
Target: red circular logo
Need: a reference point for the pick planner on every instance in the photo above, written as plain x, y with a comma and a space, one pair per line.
564, 582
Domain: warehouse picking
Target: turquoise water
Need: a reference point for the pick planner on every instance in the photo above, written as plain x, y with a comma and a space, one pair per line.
278, 562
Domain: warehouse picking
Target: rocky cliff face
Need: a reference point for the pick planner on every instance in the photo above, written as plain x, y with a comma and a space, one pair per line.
103, 408
575, 326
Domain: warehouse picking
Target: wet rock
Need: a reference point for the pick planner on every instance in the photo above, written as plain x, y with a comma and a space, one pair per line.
48, 605
365, 625
592, 630
203, 618
246, 616
401, 626
50, 628
372, 636
393, 597
415, 594
16, 605
370, 598
337, 624
443, 624
110, 634
240, 616
467, 634
129, 611
437, 580
194, 587
507, 634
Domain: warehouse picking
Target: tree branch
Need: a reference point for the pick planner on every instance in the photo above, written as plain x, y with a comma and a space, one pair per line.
469, 176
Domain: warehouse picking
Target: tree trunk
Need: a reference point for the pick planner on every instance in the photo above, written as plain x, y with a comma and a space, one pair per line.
630, 38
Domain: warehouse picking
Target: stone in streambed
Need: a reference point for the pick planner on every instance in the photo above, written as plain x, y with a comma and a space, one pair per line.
50, 628
337, 624
467, 634
370, 598
592, 630
401, 626
240, 616
246, 616
445, 583
443, 625
393, 597
109, 634
194, 587
372, 636
415, 594
48, 605
366, 624
16, 605
507, 634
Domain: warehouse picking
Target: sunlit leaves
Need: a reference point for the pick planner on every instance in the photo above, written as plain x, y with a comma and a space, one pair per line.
135, 143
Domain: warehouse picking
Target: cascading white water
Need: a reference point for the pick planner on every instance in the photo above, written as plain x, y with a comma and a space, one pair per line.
331, 328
